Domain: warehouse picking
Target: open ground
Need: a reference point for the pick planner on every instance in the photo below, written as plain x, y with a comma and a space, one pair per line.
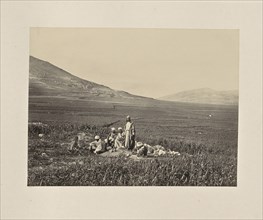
205, 135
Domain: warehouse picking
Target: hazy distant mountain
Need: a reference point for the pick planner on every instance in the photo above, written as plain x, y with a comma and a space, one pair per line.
47, 79
205, 96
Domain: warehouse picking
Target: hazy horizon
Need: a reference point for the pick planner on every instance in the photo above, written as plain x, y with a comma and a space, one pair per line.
146, 62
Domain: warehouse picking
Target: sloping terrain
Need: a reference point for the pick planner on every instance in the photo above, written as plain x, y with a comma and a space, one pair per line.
45, 79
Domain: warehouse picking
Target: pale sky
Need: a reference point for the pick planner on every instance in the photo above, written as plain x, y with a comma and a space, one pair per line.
147, 62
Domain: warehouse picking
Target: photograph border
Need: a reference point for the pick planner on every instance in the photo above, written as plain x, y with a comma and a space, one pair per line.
21, 202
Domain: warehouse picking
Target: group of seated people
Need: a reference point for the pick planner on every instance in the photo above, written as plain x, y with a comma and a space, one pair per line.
121, 139
116, 139
113, 142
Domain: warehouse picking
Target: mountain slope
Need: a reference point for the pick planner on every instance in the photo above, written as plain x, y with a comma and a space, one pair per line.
47, 79
205, 96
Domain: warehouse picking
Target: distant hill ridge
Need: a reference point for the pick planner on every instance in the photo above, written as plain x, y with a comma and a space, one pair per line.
48, 79
205, 96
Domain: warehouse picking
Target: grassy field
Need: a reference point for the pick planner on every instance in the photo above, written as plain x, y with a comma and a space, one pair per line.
208, 145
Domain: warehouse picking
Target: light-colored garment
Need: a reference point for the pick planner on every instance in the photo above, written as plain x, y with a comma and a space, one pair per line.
158, 147
119, 141
111, 140
161, 152
97, 145
150, 149
129, 135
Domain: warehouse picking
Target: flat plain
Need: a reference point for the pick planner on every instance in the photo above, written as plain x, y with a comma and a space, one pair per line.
205, 136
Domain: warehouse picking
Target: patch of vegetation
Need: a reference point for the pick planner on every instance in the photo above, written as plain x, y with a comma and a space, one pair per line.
200, 164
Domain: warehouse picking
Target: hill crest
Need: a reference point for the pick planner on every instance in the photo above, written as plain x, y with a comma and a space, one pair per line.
204, 96
48, 79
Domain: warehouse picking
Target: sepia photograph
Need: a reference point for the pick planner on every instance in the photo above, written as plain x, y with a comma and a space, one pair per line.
133, 107
131, 110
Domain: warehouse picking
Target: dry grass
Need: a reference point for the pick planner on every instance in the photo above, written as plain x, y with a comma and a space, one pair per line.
200, 164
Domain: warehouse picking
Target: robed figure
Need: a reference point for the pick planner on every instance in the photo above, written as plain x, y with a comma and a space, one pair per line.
129, 134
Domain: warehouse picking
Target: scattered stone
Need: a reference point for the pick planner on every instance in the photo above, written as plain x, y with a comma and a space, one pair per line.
81, 136
81, 162
44, 155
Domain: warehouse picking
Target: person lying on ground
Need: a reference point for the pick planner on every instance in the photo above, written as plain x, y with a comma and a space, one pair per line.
140, 149
119, 141
137, 146
142, 152
97, 146
150, 149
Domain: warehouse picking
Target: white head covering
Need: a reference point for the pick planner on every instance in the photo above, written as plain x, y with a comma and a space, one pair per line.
97, 137
139, 144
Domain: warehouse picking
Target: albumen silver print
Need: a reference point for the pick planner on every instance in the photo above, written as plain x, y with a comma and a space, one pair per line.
133, 107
